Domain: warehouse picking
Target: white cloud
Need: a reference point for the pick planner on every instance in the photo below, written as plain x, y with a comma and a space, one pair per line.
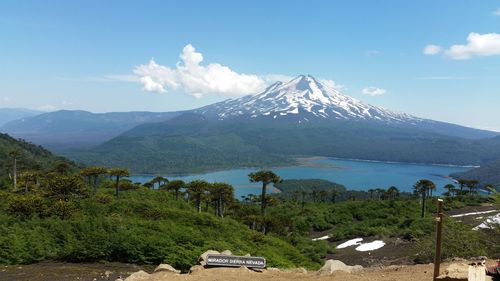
195, 79
46, 107
496, 12
122, 77
479, 45
331, 84
5, 99
373, 91
371, 53
432, 49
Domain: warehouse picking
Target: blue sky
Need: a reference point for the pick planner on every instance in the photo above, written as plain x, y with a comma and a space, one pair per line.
92, 55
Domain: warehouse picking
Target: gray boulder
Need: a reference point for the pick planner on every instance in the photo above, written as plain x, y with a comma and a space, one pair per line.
334, 265
202, 260
166, 268
464, 272
139, 276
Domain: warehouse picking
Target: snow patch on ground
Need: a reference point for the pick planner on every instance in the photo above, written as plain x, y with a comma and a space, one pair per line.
489, 222
474, 213
321, 238
375, 245
352, 242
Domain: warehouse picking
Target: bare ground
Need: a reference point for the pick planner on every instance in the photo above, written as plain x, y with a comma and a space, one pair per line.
61, 271
52, 271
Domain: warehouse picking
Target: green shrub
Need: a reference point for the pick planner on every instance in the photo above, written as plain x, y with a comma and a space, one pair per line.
459, 240
25, 206
62, 209
103, 198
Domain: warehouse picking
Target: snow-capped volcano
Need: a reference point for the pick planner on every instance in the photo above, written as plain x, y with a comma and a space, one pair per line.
303, 99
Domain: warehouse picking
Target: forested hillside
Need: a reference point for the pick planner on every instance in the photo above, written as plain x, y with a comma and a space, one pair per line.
193, 143
28, 157
488, 174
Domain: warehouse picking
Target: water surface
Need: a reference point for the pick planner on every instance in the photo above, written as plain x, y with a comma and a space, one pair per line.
354, 174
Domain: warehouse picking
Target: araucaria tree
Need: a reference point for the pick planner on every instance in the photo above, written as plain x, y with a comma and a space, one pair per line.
422, 187
176, 186
392, 193
266, 178
118, 173
222, 193
451, 188
64, 187
489, 188
14, 155
92, 174
472, 186
159, 180
195, 190
29, 177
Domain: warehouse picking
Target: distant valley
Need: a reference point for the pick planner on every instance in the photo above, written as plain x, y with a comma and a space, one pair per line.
10, 114
65, 129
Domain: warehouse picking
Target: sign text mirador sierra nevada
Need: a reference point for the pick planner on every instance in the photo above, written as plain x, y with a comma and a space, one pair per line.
235, 261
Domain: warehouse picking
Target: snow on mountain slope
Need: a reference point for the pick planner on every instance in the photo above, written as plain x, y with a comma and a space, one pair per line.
303, 98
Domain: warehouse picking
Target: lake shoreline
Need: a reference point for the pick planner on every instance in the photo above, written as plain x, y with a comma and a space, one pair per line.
309, 162
353, 174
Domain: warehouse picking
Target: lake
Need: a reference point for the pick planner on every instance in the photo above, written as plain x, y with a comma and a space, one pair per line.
354, 174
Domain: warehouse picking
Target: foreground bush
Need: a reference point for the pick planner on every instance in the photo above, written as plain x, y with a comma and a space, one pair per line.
124, 230
459, 240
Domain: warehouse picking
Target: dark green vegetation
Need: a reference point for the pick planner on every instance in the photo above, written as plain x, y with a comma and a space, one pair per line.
97, 214
28, 158
61, 220
486, 174
194, 143
64, 129
383, 213
317, 190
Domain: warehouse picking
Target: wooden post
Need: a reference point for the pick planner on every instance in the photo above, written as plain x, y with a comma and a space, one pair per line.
439, 232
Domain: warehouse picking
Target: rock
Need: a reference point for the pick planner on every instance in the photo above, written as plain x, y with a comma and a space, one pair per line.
119, 279
196, 268
227, 253
335, 265
259, 270
107, 273
299, 270
274, 269
203, 258
139, 276
166, 268
455, 272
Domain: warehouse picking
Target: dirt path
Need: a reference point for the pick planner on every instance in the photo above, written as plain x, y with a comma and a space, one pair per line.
60, 271
417, 273
51, 271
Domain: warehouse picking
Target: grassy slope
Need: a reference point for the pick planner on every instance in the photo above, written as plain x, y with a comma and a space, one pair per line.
31, 155
199, 145
142, 226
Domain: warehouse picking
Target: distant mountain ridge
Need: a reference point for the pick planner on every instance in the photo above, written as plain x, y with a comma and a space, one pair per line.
306, 100
299, 118
77, 128
302, 99
11, 114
